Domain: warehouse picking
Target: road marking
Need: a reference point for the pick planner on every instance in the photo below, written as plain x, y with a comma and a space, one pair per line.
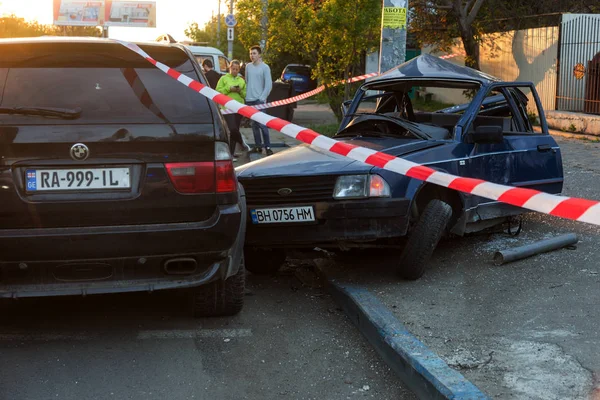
194, 334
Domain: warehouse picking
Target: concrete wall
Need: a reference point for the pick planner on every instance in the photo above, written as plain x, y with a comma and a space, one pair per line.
574, 122
527, 55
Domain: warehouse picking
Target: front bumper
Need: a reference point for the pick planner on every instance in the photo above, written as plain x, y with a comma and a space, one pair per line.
352, 221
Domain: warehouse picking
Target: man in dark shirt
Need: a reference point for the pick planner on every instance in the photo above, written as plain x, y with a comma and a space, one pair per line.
212, 75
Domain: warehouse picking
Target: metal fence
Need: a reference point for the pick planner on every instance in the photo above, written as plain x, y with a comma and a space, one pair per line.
579, 64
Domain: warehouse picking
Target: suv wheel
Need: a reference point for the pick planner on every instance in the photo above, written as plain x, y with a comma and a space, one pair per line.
424, 238
220, 298
264, 261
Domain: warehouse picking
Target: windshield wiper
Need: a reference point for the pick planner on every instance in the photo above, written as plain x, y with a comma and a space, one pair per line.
62, 113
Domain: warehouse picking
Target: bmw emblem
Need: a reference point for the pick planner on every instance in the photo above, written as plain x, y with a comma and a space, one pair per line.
80, 152
284, 191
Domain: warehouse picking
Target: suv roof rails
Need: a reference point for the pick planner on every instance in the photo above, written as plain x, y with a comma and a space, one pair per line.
189, 43
166, 38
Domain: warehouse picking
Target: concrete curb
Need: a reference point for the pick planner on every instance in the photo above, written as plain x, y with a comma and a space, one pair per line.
579, 136
421, 370
570, 135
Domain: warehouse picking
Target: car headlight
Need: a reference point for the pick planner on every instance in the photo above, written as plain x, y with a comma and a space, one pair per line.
360, 187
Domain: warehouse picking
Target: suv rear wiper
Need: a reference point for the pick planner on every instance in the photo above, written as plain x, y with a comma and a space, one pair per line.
62, 113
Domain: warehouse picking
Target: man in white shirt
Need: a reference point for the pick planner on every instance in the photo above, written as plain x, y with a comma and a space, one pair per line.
258, 87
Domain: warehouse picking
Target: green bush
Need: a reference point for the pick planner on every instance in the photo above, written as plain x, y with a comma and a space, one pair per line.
533, 118
421, 104
325, 129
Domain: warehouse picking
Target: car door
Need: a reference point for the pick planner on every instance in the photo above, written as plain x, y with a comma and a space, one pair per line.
537, 155
526, 157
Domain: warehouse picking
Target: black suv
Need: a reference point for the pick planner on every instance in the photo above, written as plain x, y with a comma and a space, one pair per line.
114, 177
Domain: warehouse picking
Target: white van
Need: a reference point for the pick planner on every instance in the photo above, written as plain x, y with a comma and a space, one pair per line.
217, 57
220, 62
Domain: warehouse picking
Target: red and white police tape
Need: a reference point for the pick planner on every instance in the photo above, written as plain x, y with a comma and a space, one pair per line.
566, 207
303, 95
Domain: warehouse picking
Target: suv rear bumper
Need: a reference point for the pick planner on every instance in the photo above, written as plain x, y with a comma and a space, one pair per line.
116, 259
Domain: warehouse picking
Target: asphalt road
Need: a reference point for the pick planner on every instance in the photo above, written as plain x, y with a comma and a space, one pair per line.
524, 330
289, 342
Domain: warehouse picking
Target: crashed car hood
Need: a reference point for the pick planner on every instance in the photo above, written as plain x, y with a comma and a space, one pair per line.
307, 160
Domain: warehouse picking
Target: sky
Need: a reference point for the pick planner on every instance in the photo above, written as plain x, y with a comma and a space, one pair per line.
172, 16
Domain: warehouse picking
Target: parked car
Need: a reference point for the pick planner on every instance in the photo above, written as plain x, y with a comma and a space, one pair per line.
305, 197
114, 177
220, 62
300, 77
201, 52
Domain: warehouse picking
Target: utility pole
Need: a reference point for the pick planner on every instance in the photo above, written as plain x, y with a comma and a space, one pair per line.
264, 23
230, 38
219, 26
392, 50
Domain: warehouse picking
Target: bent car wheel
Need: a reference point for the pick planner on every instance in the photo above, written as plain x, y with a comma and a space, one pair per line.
424, 238
264, 261
221, 298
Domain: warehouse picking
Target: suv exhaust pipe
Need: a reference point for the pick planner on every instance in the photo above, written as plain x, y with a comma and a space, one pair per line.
180, 266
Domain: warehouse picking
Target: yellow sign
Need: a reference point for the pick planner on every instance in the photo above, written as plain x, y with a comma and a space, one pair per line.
394, 17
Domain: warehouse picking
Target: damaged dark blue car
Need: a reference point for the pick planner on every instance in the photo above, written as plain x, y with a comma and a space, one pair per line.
488, 129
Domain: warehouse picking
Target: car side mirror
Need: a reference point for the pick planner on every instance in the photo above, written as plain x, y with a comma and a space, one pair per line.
486, 135
345, 106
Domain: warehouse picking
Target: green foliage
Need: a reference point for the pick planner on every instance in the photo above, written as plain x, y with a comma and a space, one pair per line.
325, 129
322, 98
422, 104
533, 118
332, 36
572, 128
208, 35
13, 27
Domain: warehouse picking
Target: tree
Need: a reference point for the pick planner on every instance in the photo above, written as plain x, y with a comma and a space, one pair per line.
338, 41
439, 22
330, 35
13, 26
208, 35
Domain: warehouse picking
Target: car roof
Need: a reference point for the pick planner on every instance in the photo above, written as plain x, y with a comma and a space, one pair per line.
429, 67
205, 50
74, 39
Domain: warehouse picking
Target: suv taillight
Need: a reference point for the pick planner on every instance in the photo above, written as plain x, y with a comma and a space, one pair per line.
225, 174
207, 176
225, 177
192, 177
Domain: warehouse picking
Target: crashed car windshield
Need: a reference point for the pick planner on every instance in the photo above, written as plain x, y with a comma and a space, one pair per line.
405, 109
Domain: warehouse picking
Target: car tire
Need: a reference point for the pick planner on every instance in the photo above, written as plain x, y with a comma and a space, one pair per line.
221, 298
423, 239
264, 261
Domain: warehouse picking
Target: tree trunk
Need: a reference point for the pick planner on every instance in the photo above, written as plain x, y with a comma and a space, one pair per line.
335, 101
470, 44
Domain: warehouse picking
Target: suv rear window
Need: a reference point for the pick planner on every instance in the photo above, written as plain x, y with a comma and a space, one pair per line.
108, 82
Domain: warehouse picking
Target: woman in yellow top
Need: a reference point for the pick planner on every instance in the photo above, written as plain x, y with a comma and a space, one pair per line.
234, 86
